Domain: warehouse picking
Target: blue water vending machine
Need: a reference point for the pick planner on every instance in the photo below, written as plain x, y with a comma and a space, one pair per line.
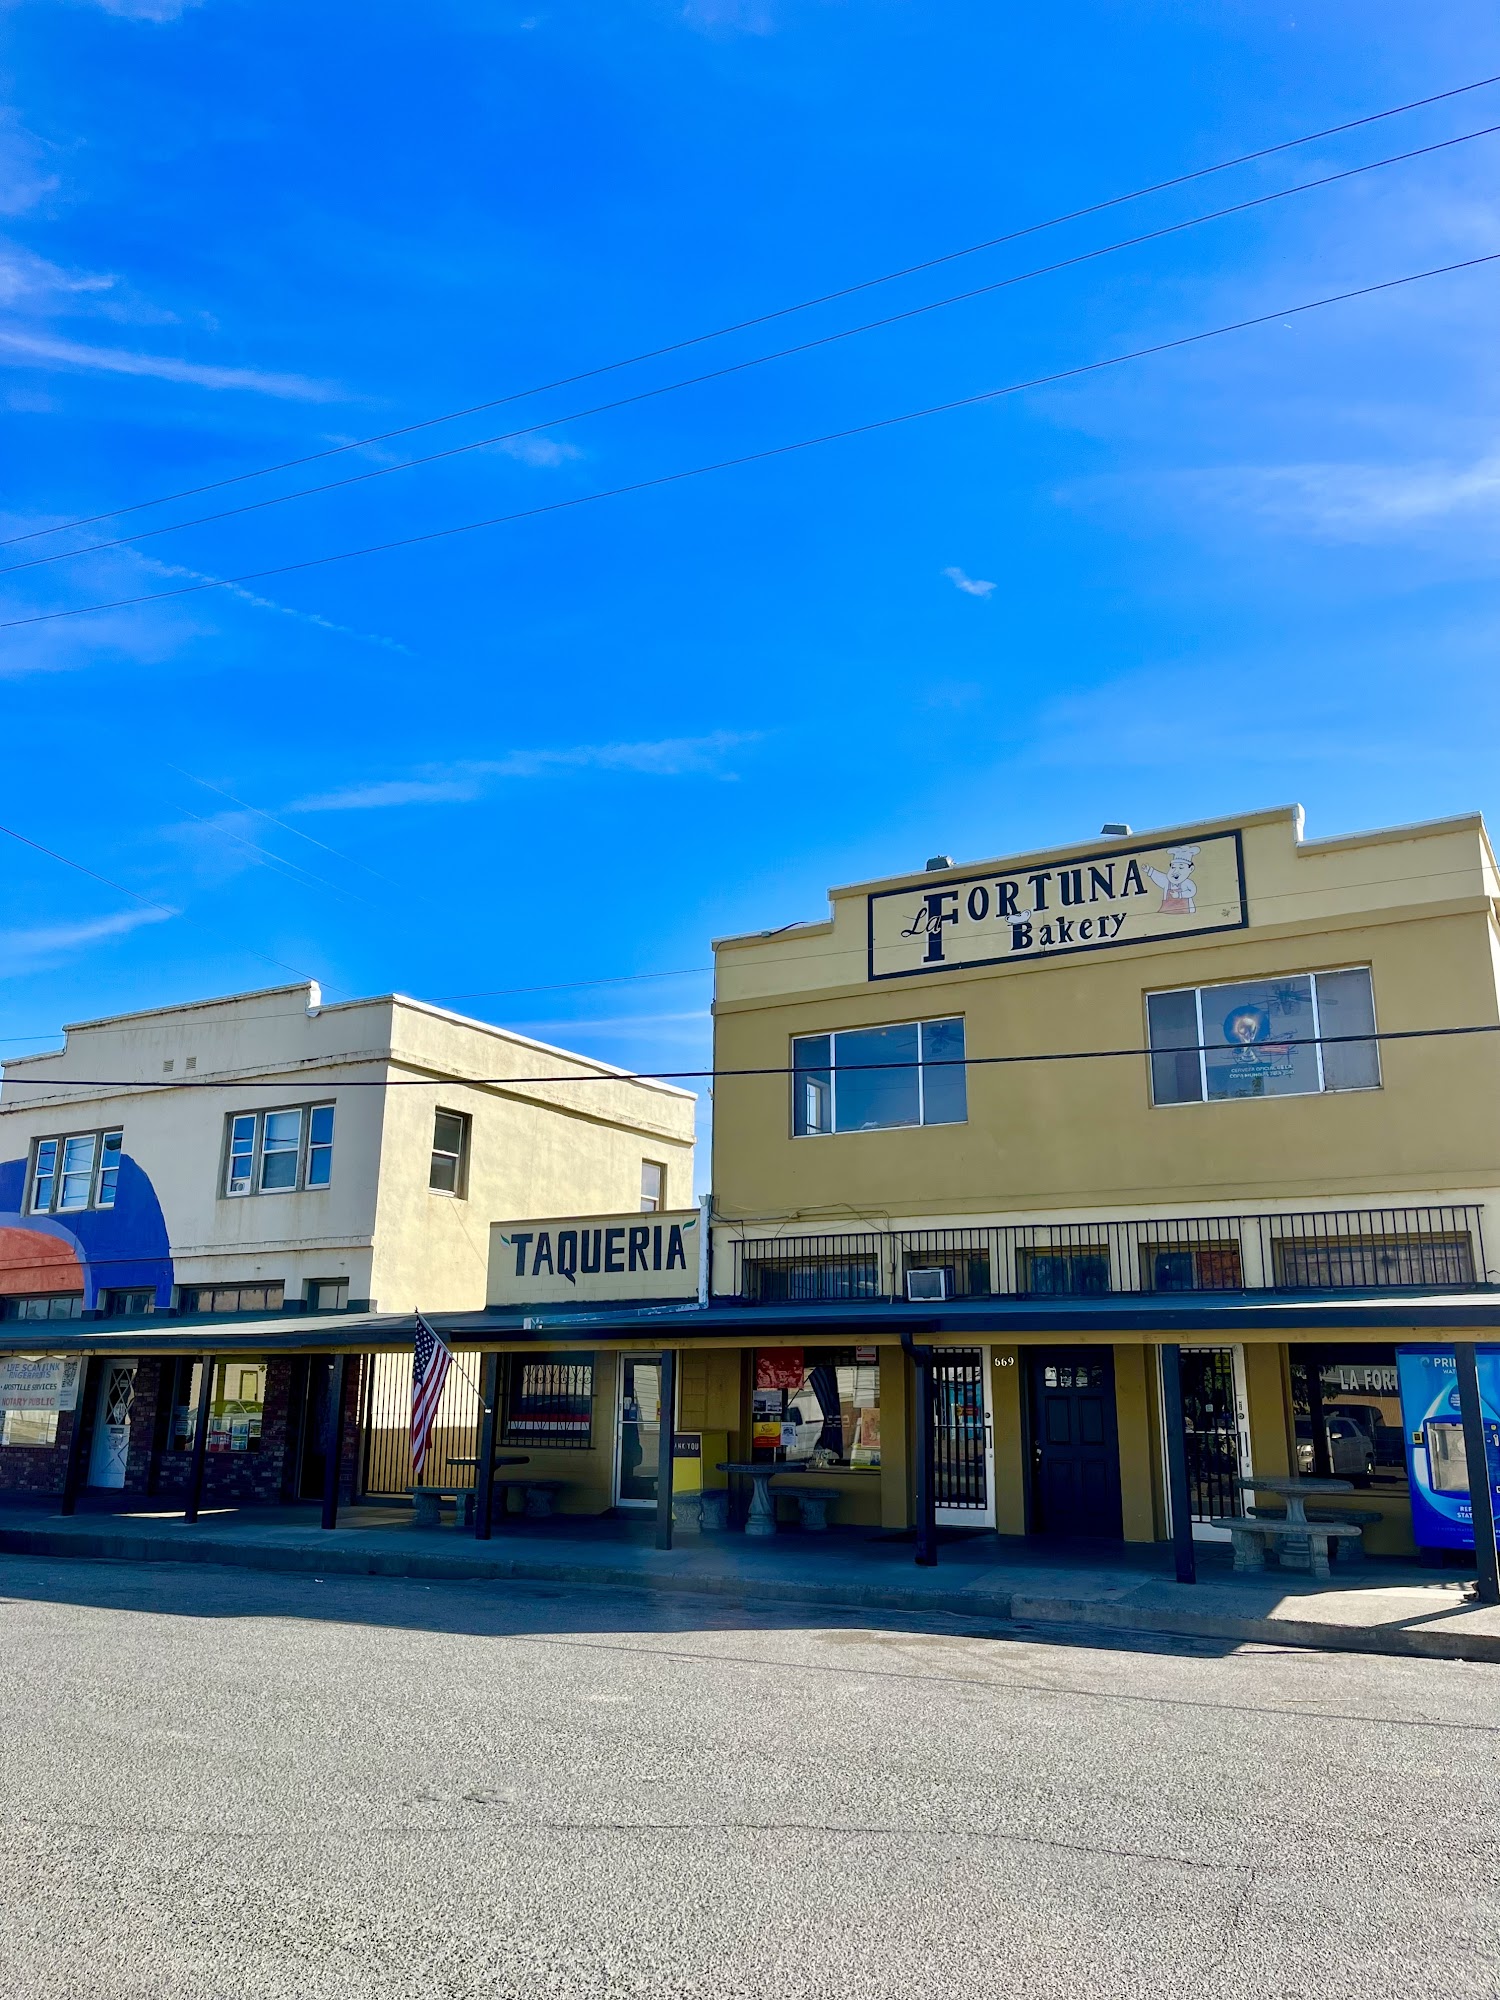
1436, 1460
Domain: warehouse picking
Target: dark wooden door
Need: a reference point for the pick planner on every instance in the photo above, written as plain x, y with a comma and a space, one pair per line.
1075, 1446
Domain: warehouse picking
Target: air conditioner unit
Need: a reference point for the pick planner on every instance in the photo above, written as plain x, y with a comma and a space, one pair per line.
925, 1286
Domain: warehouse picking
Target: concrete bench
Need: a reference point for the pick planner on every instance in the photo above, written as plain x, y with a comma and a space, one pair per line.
1297, 1544
1344, 1549
813, 1502
538, 1496
427, 1505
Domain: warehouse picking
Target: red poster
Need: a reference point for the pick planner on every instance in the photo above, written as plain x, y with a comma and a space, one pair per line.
778, 1368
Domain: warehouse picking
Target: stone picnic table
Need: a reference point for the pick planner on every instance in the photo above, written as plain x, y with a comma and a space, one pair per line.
427, 1501
761, 1520
1300, 1543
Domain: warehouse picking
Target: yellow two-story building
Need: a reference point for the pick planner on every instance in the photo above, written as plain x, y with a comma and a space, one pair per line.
1217, 1089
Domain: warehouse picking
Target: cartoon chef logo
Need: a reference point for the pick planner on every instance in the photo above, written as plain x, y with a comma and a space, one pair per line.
1179, 892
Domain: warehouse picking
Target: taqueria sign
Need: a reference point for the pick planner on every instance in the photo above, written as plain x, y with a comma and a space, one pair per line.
591, 1259
1117, 897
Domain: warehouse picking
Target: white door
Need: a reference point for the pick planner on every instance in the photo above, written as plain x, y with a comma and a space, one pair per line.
112, 1425
963, 1438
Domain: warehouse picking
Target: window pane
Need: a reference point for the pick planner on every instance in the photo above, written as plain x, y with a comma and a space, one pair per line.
241, 1154
871, 1097
109, 1169
77, 1172
1172, 1020
447, 1133
278, 1159
812, 1085
45, 1181
945, 1091
320, 1150
1346, 1006
1251, 1032
652, 1177
444, 1174
237, 1406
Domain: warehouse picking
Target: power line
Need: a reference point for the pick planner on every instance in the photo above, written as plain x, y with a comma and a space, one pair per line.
611, 1075
759, 457
755, 360
765, 318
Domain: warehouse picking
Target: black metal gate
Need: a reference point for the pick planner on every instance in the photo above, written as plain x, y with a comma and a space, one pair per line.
385, 1426
1210, 1420
959, 1453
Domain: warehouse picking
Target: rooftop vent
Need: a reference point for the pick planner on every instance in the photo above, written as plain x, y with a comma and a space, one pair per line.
1116, 828
938, 861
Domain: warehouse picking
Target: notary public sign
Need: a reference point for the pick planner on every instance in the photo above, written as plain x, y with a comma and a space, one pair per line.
1117, 897
46, 1382
595, 1259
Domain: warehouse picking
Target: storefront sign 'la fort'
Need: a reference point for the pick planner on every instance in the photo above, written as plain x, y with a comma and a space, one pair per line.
1091, 903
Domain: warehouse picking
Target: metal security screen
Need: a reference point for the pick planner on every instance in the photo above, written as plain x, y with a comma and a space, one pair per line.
386, 1426
958, 1441
549, 1402
1211, 1423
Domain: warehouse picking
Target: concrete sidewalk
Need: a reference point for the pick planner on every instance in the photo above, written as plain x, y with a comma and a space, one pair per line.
1374, 1609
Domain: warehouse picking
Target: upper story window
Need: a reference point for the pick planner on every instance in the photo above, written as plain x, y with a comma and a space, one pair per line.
276, 1152
653, 1187
80, 1170
1263, 1038
873, 1079
449, 1172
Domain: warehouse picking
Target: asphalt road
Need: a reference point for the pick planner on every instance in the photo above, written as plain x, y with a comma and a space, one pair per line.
222, 1786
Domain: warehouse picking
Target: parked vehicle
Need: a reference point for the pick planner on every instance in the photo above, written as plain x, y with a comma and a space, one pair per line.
1351, 1451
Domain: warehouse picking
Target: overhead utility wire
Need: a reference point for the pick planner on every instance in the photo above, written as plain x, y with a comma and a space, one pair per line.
611, 1075
758, 457
765, 318
754, 360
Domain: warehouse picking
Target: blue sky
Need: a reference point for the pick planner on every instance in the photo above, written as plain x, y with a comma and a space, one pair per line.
575, 748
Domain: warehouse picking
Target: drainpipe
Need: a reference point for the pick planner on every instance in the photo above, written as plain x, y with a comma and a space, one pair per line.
921, 1359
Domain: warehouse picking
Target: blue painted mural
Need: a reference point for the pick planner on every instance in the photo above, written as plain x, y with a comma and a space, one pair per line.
110, 1248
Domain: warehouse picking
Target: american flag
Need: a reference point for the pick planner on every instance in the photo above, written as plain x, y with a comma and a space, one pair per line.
429, 1371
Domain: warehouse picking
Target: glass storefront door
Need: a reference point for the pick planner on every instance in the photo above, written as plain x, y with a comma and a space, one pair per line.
638, 1430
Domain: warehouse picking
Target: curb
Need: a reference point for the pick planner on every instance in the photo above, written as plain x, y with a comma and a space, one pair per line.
993, 1608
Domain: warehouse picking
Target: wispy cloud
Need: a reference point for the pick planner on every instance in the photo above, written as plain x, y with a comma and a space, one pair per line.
23, 181
391, 792
29, 280
972, 586
1355, 502
452, 784
735, 17
252, 598
26, 349
25, 950
539, 450
147, 10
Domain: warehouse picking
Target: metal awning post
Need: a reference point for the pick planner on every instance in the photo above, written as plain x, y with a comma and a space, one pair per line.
1481, 1479
484, 1470
334, 1465
200, 1439
1179, 1497
926, 1489
73, 1470
666, 1425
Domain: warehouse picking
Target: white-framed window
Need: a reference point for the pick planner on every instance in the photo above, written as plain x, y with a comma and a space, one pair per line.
448, 1172
279, 1151
1294, 1035
653, 1187
74, 1171
876, 1079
